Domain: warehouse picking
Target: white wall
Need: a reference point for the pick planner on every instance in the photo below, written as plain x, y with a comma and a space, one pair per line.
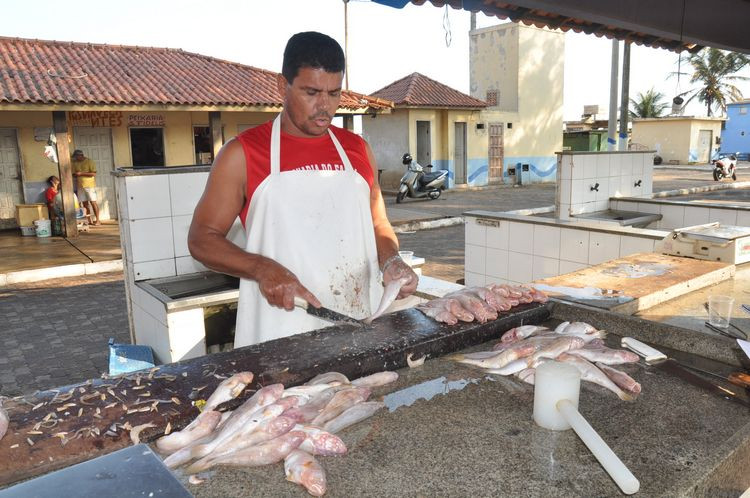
388, 136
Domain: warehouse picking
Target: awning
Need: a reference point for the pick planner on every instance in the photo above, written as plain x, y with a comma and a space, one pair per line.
670, 24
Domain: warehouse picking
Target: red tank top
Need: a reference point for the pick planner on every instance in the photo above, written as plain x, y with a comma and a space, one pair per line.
298, 153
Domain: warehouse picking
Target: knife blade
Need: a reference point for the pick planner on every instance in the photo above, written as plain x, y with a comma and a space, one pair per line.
656, 358
737, 378
326, 314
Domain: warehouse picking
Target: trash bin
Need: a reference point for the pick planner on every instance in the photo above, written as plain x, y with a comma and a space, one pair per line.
124, 358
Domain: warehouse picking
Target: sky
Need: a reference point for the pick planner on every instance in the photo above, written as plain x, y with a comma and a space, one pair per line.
385, 44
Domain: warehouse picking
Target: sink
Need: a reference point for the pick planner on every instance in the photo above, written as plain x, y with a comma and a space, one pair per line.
623, 218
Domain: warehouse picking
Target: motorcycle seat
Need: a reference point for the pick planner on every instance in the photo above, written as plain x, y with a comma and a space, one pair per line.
428, 177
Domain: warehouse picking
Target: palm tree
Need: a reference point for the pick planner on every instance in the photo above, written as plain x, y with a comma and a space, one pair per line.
648, 105
713, 71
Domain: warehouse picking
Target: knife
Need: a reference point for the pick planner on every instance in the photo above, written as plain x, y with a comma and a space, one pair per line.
325, 313
737, 378
656, 358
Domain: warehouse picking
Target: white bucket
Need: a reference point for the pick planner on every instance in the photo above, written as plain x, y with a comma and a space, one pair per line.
28, 231
43, 228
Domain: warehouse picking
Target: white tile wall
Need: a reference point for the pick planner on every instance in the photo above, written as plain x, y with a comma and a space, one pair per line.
648, 207
564, 189
154, 269
475, 234
547, 241
187, 335
180, 227
472, 279
521, 237
497, 263
602, 166
603, 247
151, 239
626, 164
148, 196
627, 206
520, 267
603, 192
149, 304
695, 215
475, 259
673, 216
187, 265
574, 245
589, 166
615, 165
149, 332
544, 267
497, 237
632, 245
570, 266
637, 165
743, 218
578, 167
565, 163
493, 280
185, 190
724, 216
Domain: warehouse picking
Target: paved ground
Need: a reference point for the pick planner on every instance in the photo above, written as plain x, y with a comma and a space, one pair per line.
55, 332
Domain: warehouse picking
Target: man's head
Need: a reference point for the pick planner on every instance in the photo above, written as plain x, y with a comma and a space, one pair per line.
53, 180
312, 70
78, 155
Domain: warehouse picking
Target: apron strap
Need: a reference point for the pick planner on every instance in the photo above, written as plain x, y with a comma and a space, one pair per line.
276, 148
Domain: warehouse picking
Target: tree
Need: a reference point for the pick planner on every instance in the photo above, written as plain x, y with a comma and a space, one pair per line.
714, 71
648, 105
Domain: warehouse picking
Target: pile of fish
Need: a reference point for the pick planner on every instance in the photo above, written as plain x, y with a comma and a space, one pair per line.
522, 349
276, 424
480, 303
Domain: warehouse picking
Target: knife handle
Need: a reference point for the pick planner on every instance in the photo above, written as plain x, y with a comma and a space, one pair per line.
301, 303
739, 379
649, 353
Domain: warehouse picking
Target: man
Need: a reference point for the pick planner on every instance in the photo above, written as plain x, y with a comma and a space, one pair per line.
84, 170
313, 213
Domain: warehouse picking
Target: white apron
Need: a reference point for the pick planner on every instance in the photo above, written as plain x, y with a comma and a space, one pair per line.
319, 226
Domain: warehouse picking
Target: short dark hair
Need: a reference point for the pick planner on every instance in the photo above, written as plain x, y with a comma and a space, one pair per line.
312, 49
49, 180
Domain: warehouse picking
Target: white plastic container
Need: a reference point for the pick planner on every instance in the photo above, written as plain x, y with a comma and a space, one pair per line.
28, 231
43, 228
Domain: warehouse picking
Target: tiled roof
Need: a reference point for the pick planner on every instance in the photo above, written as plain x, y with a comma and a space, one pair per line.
420, 91
51, 72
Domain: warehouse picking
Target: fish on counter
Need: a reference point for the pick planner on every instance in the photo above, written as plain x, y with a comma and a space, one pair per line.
352, 415
340, 402
522, 332
228, 389
590, 373
267, 453
389, 295
376, 380
301, 467
605, 355
4, 420
320, 442
328, 378
623, 380
199, 428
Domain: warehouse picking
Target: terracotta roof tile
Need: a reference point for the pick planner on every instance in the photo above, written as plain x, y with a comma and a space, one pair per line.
51, 72
420, 91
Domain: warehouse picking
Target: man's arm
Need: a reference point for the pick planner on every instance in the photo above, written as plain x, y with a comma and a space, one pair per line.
385, 238
221, 203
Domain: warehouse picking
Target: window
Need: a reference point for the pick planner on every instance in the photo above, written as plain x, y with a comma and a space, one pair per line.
491, 97
147, 146
202, 143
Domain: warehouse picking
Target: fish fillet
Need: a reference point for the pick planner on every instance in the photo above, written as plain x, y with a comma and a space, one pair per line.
270, 452
301, 467
228, 389
389, 295
352, 415
202, 426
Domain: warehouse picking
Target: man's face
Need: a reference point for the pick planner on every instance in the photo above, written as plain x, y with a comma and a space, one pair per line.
311, 101
78, 157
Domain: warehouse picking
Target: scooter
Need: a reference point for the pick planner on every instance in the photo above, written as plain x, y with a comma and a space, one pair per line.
725, 166
416, 183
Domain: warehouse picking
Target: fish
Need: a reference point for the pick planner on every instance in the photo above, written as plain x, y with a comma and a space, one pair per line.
445, 305
511, 368
266, 431
575, 328
482, 311
4, 420
527, 375
306, 413
200, 427
552, 349
438, 314
320, 441
305, 392
590, 373
328, 378
340, 402
605, 355
301, 467
389, 295
518, 333
518, 350
489, 297
376, 379
228, 389
352, 415
267, 453
623, 380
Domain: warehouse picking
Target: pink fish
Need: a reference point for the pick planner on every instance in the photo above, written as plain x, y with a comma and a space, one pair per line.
228, 389
320, 442
267, 453
302, 468
518, 333
590, 373
202, 426
4, 420
389, 295
352, 415
605, 355
340, 402
377, 379
622, 379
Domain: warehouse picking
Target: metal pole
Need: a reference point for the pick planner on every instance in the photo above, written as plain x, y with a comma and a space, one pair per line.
473, 21
612, 125
625, 97
346, 43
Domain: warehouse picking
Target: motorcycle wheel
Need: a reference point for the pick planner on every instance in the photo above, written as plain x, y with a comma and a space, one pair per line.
716, 175
734, 176
400, 197
434, 194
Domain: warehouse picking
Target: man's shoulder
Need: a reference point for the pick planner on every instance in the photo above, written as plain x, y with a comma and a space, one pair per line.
256, 133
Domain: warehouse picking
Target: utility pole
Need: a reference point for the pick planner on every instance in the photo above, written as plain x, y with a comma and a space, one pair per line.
624, 96
346, 43
612, 124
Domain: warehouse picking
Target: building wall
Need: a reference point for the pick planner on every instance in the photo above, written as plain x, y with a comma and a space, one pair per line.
388, 136
526, 66
736, 135
695, 127
675, 140
35, 167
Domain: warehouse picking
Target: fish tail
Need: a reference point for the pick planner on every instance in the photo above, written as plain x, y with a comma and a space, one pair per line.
625, 396
455, 357
602, 334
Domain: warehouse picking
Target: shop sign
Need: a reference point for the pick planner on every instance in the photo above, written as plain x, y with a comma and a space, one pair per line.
145, 119
95, 118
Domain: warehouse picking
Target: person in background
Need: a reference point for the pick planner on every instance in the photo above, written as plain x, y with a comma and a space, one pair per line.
84, 170
54, 204
50, 194
314, 215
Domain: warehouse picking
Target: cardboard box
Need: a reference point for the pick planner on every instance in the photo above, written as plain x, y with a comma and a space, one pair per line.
26, 214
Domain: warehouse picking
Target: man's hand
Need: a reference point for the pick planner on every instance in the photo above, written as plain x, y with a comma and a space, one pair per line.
280, 286
396, 269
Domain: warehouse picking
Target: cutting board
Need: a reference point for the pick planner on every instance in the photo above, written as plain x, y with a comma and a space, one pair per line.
636, 282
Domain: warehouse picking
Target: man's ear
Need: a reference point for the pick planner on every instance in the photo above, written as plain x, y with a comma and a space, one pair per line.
281, 85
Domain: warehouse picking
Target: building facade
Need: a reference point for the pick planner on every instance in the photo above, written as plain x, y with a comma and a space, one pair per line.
679, 139
735, 137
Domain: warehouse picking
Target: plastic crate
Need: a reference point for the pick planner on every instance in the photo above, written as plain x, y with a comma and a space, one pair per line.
124, 358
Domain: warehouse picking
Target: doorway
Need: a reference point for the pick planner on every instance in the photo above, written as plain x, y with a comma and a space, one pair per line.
704, 145
459, 153
495, 153
11, 191
96, 143
147, 147
424, 143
